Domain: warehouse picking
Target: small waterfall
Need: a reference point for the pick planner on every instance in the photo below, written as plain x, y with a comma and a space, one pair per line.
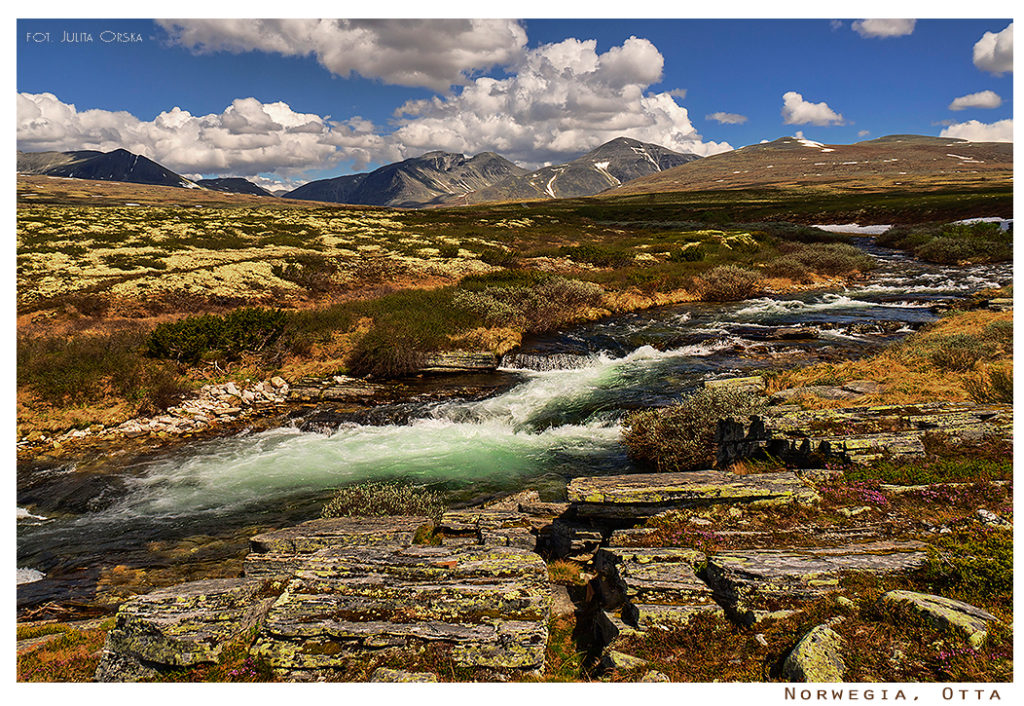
545, 363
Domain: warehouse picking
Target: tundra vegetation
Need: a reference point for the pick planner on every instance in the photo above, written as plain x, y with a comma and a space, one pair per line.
125, 308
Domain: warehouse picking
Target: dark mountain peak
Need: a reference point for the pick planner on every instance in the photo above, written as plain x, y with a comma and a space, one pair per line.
233, 185
116, 165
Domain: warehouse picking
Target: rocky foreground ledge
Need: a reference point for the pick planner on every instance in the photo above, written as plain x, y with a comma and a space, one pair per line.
410, 597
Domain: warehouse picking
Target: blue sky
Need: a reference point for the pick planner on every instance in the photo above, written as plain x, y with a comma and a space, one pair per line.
536, 91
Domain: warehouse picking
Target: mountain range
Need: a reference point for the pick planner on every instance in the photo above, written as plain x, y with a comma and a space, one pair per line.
620, 167
431, 179
893, 160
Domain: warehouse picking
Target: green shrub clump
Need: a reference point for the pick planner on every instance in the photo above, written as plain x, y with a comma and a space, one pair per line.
537, 307
597, 255
727, 283
960, 352
830, 258
378, 499
690, 254
197, 337
682, 437
952, 243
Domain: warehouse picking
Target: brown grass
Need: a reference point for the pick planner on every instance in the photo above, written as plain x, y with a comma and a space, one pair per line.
905, 369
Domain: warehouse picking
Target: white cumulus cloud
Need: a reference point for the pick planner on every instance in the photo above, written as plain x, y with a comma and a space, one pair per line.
430, 53
564, 99
247, 138
727, 118
863, 133
883, 28
974, 131
797, 111
994, 51
981, 99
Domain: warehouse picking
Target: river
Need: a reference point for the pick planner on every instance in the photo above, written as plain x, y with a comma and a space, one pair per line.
556, 414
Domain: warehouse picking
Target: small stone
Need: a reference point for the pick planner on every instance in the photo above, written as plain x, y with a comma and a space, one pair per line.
383, 674
231, 389
863, 387
816, 658
845, 603
277, 381
854, 511
992, 519
759, 637
613, 659
654, 676
699, 521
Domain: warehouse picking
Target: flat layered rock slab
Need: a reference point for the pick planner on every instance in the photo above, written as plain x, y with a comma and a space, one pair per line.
646, 494
278, 553
759, 579
180, 626
943, 613
650, 575
663, 617
497, 527
489, 606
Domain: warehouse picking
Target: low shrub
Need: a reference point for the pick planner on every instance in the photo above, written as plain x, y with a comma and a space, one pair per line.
448, 251
694, 254
597, 255
195, 337
788, 267
538, 307
830, 258
952, 243
994, 386
682, 437
500, 258
973, 566
727, 283
376, 499
314, 273
88, 368
960, 352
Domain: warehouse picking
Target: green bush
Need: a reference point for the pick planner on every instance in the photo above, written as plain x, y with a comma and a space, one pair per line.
196, 337
952, 243
830, 258
682, 437
89, 367
788, 267
996, 386
539, 307
376, 499
312, 272
727, 283
976, 567
694, 254
597, 255
448, 251
960, 352
500, 258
